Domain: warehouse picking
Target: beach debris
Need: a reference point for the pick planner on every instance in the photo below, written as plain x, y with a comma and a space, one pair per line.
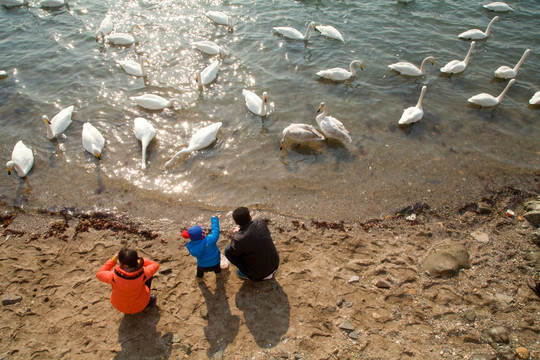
510, 213
328, 225
411, 217
523, 353
11, 299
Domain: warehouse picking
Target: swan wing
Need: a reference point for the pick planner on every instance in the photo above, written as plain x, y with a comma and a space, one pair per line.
333, 128
203, 137
535, 99
120, 39
209, 73
289, 32
498, 6
330, 31
218, 17
483, 100
505, 72
61, 121
473, 34
92, 139
253, 101
23, 157
405, 68
143, 130
336, 74
207, 47
151, 101
106, 25
454, 67
52, 3
131, 67
411, 115
302, 132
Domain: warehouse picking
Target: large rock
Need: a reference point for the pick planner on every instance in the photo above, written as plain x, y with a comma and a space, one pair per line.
447, 260
533, 217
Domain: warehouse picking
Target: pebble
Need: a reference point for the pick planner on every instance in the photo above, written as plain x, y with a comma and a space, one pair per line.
499, 334
346, 325
204, 314
339, 301
354, 279
480, 237
354, 335
484, 208
176, 338
522, 353
381, 284
469, 315
11, 299
505, 299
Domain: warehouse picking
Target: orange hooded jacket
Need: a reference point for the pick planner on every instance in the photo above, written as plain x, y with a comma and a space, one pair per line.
129, 293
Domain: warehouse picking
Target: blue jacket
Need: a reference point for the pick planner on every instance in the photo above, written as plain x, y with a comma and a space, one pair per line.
206, 250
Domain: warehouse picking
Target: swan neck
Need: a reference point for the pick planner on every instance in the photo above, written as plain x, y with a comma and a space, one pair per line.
351, 67
263, 108
322, 115
307, 31
500, 97
488, 29
50, 134
421, 98
423, 65
466, 60
516, 68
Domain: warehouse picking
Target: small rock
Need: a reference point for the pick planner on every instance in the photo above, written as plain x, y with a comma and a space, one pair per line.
382, 284
533, 217
11, 299
354, 279
354, 335
522, 353
204, 313
447, 260
88, 322
469, 315
505, 299
346, 325
480, 237
176, 339
484, 208
339, 301
499, 334
331, 308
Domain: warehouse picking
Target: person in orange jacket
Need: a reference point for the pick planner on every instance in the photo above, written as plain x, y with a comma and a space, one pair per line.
130, 280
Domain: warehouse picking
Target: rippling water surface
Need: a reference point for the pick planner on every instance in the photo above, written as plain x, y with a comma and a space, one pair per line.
53, 61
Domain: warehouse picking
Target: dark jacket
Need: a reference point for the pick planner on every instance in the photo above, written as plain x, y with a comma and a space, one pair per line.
254, 244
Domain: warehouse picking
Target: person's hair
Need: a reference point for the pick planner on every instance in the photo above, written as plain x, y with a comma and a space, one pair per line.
128, 257
241, 216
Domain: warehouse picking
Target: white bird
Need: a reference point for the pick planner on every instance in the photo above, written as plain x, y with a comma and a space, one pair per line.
477, 34
329, 31
12, 3
59, 123
487, 100
457, 66
535, 100
300, 133
208, 74
292, 33
220, 18
3, 74
201, 139
154, 102
340, 74
331, 127
106, 26
506, 72
92, 140
413, 113
145, 132
135, 68
498, 6
118, 38
407, 68
255, 104
52, 3
208, 47
22, 159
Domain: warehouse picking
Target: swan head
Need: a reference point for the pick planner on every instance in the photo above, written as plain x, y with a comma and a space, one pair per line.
9, 166
321, 106
99, 34
198, 78
46, 119
497, 19
265, 97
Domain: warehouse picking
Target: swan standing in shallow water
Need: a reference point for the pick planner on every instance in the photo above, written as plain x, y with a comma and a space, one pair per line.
329, 31
292, 33
506, 72
535, 100
92, 140
487, 100
105, 27
407, 68
133, 67
340, 74
208, 74
413, 113
22, 160
331, 127
477, 34
220, 18
457, 66
255, 104
208, 47
59, 123
122, 39
154, 102
300, 133
201, 139
498, 6
145, 132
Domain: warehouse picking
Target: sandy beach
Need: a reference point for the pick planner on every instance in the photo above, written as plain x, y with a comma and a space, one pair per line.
343, 290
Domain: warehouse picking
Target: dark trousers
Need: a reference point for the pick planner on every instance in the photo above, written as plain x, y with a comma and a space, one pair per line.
202, 270
236, 261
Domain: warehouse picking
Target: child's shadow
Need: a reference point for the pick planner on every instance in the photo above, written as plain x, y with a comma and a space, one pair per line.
222, 326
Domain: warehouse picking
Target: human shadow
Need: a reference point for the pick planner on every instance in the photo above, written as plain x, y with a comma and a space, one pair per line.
266, 311
139, 338
222, 326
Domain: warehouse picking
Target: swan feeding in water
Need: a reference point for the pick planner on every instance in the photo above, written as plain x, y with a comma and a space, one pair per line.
340, 74
457, 66
154, 102
300, 133
292, 33
92, 140
135, 68
59, 123
413, 113
407, 68
331, 127
220, 18
208, 74
506, 72
22, 160
498, 6
106, 26
145, 132
477, 34
122, 39
329, 31
201, 139
208, 47
255, 104
487, 100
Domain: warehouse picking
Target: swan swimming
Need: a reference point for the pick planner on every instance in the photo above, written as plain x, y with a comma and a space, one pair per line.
122, 39
413, 113
106, 26
52, 3
292, 33
208, 47
13, 3
300, 133
498, 6
220, 18
487, 100
22, 160
331, 127
340, 74
92, 140
255, 104
477, 34
208, 74
407, 68
506, 72
145, 132
535, 100
201, 139
59, 123
135, 68
457, 66
154, 102
329, 31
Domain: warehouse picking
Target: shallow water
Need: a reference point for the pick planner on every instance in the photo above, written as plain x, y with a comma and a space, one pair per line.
54, 61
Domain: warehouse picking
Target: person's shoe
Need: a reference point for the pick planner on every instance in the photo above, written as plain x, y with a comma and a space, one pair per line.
200, 280
241, 275
152, 301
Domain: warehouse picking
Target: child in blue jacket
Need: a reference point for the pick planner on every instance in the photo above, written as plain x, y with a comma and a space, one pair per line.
204, 248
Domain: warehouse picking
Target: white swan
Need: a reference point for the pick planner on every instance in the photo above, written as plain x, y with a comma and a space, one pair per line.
92, 140
407, 68
201, 139
331, 127
506, 72
52, 3
487, 100
154, 102
106, 26
255, 104
292, 33
340, 74
413, 113
457, 66
3, 74
12, 3
122, 39
535, 100
498, 6
220, 18
208, 47
300, 133
329, 31
208, 74
22, 159
59, 123
477, 34
133, 67
145, 132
